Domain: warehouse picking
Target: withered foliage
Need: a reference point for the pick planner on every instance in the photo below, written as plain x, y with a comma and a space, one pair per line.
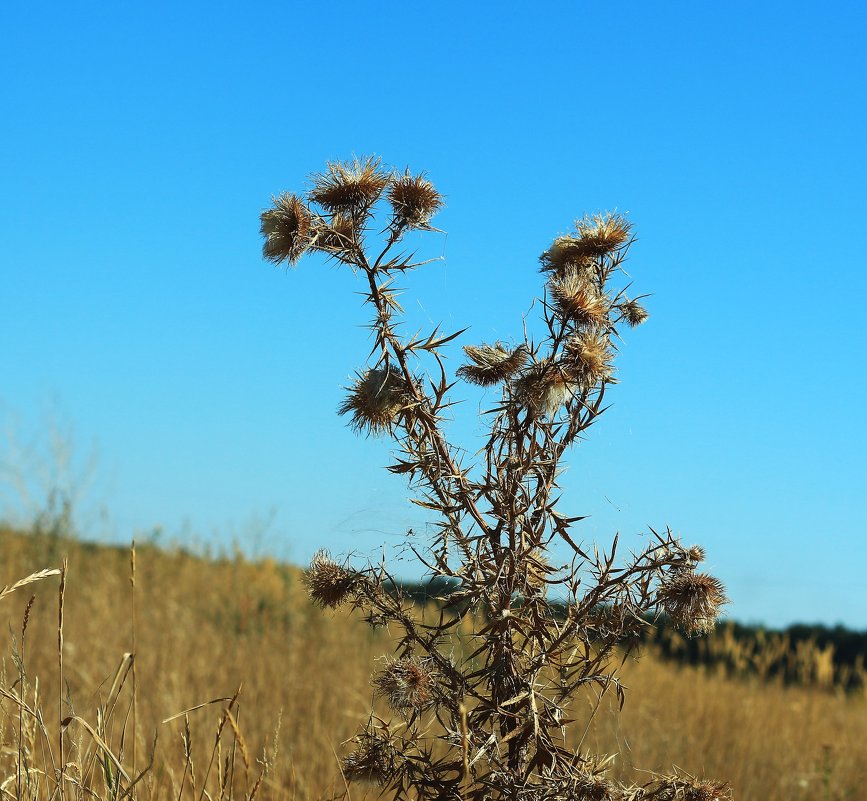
490, 719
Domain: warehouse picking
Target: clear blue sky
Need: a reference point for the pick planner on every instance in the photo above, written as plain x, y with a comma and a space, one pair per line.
139, 142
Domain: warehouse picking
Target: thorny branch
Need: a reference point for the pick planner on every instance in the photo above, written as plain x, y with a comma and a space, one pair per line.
482, 697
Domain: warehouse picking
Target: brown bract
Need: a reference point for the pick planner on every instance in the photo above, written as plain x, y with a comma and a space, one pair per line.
693, 601
414, 200
350, 187
375, 400
286, 228
492, 364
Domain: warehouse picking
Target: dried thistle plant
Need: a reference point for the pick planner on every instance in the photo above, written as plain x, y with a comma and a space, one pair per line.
492, 721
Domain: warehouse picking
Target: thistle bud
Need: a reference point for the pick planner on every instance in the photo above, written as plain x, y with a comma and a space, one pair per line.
286, 228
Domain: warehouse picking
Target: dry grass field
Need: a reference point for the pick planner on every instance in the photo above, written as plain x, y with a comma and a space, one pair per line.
205, 627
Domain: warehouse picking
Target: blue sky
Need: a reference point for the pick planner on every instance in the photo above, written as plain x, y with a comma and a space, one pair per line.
198, 385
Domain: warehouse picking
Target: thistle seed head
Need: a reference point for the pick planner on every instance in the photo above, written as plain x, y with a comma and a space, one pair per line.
687, 788
695, 554
603, 233
589, 356
492, 363
544, 387
692, 601
577, 299
594, 236
350, 187
286, 228
335, 237
592, 787
567, 254
414, 201
329, 584
633, 312
408, 684
375, 400
374, 760
538, 570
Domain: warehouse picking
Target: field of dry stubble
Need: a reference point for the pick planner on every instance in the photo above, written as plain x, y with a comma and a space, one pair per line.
205, 627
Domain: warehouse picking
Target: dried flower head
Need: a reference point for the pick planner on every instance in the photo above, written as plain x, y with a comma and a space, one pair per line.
335, 237
603, 233
374, 760
692, 601
375, 400
538, 568
683, 787
589, 355
328, 583
350, 187
414, 200
567, 254
594, 236
492, 363
695, 554
577, 299
408, 683
545, 386
286, 228
633, 312
592, 787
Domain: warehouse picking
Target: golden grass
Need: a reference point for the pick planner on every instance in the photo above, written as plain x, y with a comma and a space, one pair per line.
206, 627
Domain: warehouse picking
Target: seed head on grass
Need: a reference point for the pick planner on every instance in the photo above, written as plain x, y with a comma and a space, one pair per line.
693, 601
329, 584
